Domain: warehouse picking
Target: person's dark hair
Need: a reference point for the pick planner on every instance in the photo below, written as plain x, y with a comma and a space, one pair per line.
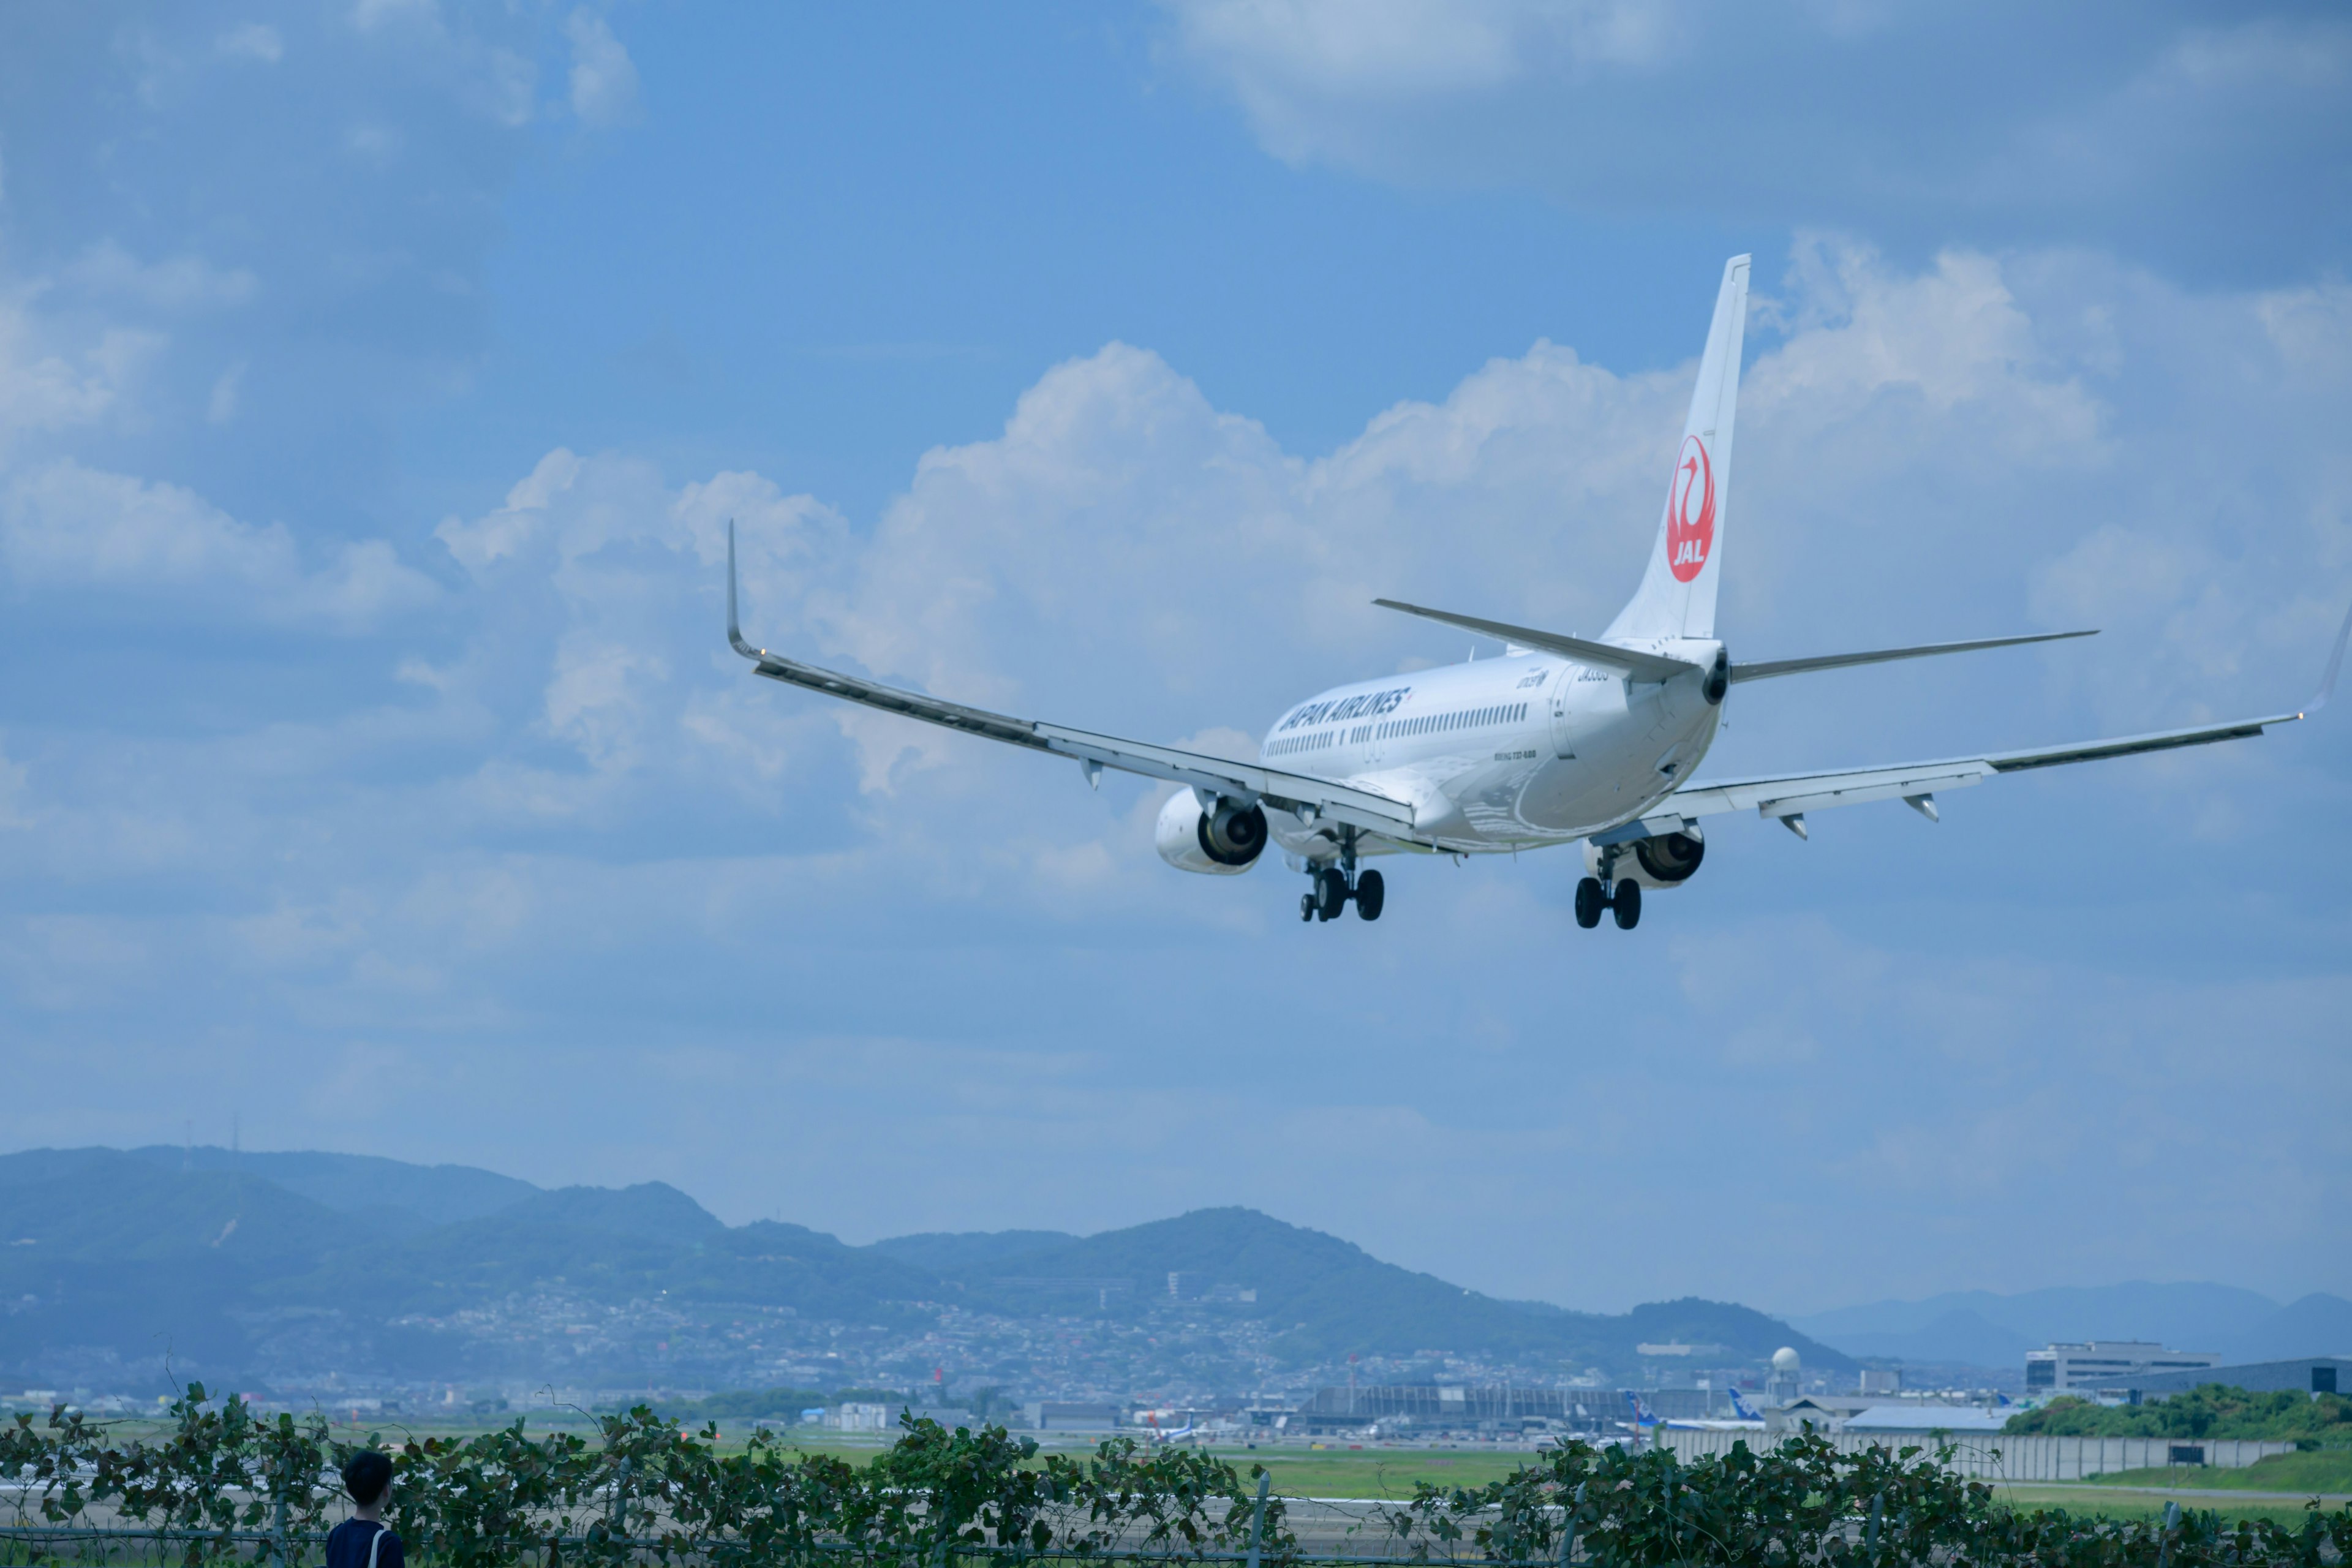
366, 1477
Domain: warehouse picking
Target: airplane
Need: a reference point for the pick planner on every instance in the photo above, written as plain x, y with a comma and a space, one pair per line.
1565, 740
1744, 1420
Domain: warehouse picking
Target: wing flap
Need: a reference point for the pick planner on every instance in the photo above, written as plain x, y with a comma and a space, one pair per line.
1796, 794
1792, 794
1604, 655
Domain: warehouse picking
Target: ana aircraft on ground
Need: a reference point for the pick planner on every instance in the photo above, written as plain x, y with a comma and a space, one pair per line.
1564, 741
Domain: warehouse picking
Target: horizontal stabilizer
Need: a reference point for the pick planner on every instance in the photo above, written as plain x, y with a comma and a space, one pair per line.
1764, 669
1602, 655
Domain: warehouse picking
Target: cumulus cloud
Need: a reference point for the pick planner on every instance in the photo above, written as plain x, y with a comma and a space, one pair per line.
493, 79
251, 41
52, 378
110, 273
1936, 450
576, 808
604, 77
2016, 122
64, 526
220, 403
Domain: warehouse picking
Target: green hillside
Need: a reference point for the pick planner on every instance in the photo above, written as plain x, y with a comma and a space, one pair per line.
1333, 1297
122, 1264
410, 1197
947, 1252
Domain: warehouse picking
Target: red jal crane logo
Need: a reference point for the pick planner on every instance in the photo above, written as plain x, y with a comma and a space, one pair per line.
1690, 512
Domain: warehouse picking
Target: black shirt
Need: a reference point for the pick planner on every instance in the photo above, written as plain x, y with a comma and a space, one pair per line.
348, 1544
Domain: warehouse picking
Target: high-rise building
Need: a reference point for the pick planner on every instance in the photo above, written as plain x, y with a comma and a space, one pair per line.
2106, 1366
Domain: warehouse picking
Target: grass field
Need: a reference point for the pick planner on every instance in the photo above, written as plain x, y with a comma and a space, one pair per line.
2328, 1470
1386, 1473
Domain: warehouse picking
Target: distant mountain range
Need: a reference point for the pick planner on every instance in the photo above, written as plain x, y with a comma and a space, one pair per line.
302, 1266
1978, 1328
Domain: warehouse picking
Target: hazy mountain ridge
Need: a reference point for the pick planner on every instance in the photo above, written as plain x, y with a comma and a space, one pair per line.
286, 1264
1973, 1327
413, 1196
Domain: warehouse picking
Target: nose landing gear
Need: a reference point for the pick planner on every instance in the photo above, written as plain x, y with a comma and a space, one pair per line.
1335, 886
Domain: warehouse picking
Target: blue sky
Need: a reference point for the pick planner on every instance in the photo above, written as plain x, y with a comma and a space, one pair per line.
376, 378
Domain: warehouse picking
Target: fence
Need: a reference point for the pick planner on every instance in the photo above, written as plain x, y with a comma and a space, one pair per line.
2013, 1458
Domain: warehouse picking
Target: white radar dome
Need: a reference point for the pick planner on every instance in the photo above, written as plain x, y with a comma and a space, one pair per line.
1785, 1359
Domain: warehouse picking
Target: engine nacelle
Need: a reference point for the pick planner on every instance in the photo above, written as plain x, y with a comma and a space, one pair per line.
1665, 862
1223, 844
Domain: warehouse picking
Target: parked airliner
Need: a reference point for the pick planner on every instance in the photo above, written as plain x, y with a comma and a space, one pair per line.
1563, 741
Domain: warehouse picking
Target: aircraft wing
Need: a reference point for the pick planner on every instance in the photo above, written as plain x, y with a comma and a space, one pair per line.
1311, 798
1788, 796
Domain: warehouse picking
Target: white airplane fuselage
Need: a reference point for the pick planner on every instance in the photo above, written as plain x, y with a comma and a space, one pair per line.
1496, 754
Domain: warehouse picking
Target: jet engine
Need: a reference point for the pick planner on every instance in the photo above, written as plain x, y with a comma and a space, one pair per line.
1223, 843
1667, 860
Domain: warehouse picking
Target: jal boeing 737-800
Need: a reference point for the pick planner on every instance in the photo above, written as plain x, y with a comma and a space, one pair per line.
1565, 740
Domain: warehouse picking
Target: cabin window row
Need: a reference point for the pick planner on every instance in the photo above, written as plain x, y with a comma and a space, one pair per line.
1428, 724
1466, 719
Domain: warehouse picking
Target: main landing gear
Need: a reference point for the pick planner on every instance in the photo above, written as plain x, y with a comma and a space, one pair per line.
1336, 885
1593, 897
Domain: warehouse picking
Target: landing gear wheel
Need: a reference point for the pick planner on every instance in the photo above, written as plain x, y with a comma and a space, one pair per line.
1306, 906
1628, 904
1330, 894
1369, 893
1589, 902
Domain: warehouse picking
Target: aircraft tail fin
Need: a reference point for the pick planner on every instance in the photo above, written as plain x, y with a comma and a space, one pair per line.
1676, 598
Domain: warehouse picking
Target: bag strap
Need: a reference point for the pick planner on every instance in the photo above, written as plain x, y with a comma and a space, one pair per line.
376, 1545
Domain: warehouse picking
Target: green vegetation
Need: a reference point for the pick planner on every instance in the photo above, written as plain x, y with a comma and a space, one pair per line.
216, 1486
2209, 1410
2324, 1470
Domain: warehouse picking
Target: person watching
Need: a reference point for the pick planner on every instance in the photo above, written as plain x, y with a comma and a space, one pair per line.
364, 1540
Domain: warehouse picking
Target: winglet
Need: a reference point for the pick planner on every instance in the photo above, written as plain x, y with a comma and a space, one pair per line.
734, 631
2334, 669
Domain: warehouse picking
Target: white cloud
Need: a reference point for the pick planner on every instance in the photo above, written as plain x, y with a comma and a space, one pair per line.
2016, 122
491, 79
251, 41
220, 403
1381, 51
577, 808
109, 272
66, 526
49, 381
604, 77
14, 778
1938, 451
370, 15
